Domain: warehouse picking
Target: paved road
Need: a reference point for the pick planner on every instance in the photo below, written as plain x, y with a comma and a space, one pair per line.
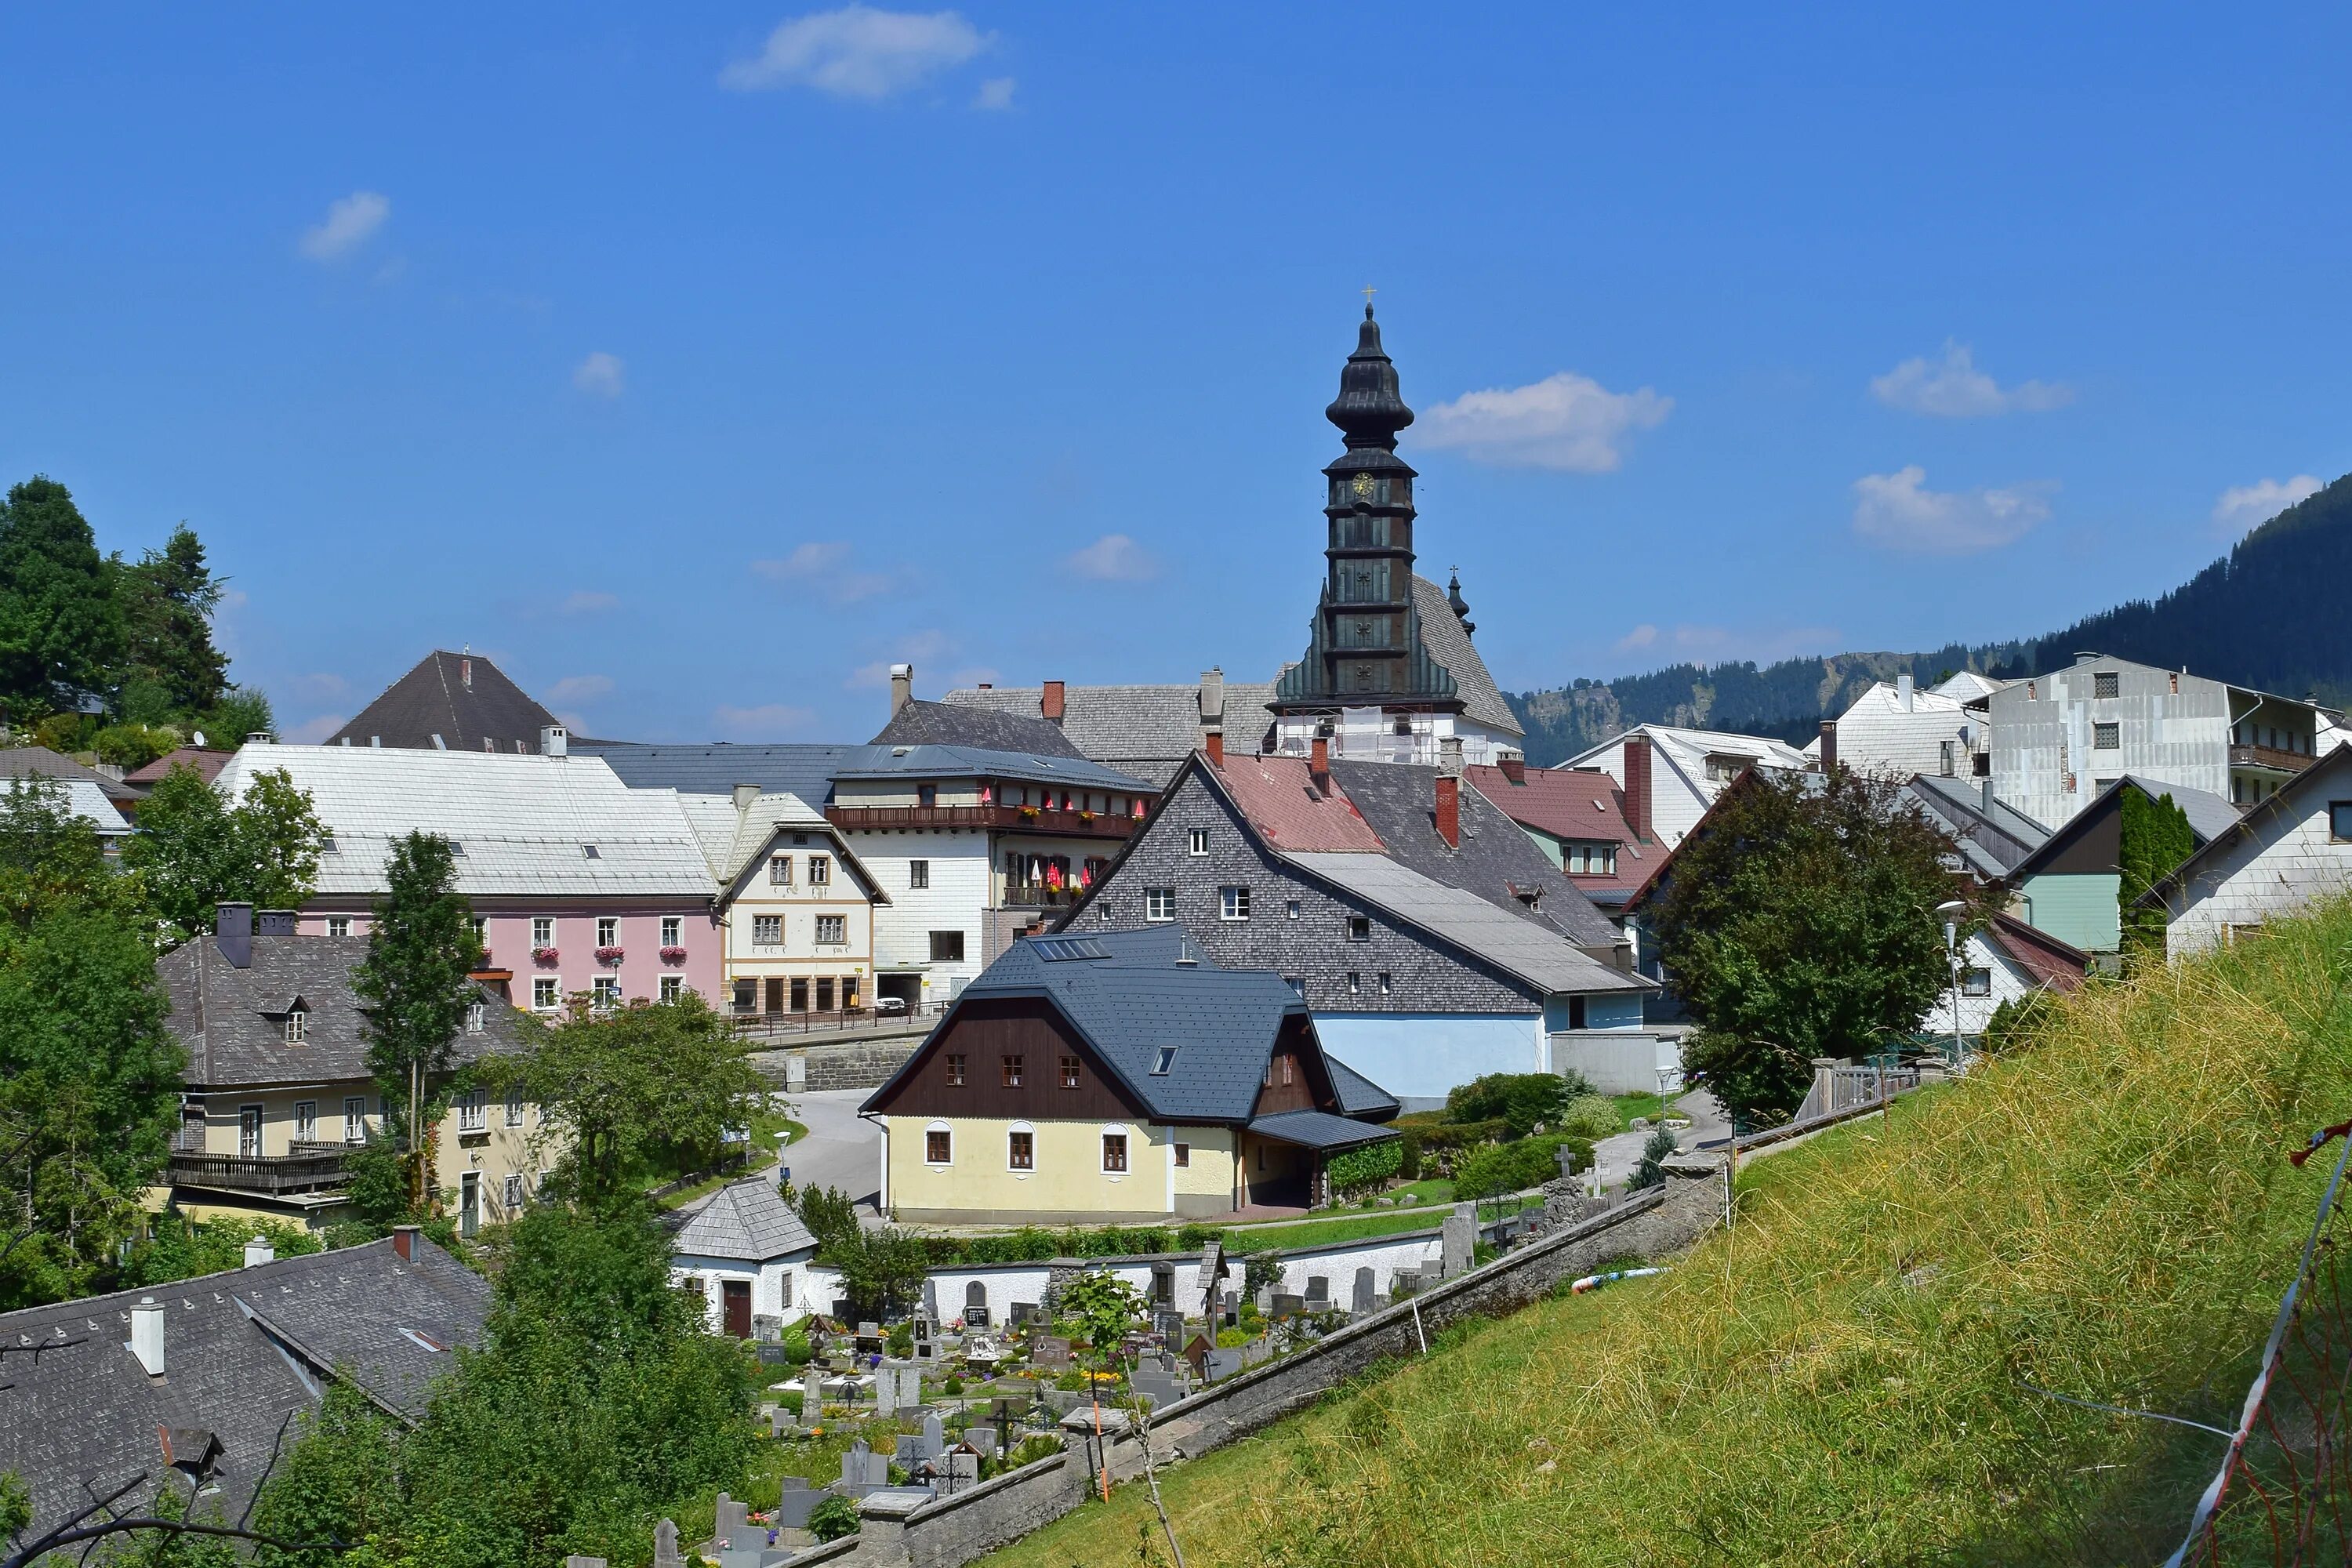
840, 1150
1617, 1155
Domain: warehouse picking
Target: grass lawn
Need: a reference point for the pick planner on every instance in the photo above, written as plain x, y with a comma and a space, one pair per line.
1352, 1227
1629, 1106
764, 1128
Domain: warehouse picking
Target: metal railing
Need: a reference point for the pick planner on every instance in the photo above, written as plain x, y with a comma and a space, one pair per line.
769, 1026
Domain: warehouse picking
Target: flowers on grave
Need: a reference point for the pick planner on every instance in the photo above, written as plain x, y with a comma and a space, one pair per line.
673, 956
543, 955
609, 956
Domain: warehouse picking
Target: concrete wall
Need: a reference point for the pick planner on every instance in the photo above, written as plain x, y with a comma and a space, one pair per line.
1618, 1063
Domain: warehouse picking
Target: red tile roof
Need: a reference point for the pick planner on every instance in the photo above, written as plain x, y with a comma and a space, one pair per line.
2053, 965
1279, 798
207, 762
1579, 804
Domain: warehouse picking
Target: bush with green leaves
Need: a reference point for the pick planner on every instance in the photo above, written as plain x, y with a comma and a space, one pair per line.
833, 1519
178, 1248
1367, 1167
1511, 1167
1520, 1100
1650, 1171
797, 1349
1031, 1449
1260, 1270
2018, 1022
1593, 1116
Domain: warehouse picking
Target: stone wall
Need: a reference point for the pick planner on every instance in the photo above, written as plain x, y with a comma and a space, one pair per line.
844, 1064
955, 1530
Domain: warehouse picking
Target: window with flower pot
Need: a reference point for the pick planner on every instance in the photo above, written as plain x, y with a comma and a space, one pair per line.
673, 930
542, 930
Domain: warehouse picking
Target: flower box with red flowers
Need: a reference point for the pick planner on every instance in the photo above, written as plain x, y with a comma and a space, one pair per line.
608, 955
673, 956
543, 955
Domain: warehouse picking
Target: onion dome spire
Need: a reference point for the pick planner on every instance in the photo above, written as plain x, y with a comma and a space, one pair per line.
1459, 605
1370, 410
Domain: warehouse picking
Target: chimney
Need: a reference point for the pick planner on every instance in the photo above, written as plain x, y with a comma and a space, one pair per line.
1049, 701
1216, 746
376, 742
1637, 787
1318, 764
1903, 691
902, 686
555, 740
745, 794
1212, 696
275, 922
258, 1250
1449, 790
147, 1335
1988, 795
404, 1243
1515, 767
466, 673
1829, 745
233, 933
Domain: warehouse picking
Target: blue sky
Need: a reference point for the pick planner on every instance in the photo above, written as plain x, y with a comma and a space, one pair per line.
696, 363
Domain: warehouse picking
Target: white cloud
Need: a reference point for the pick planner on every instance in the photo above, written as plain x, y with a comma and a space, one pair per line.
321, 685
599, 375
1565, 421
858, 52
1953, 388
805, 560
762, 723
580, 688
309, 732
1113, 558
2242, 506
590, 602
349, 222
996, 92
1640, 637
1899, 511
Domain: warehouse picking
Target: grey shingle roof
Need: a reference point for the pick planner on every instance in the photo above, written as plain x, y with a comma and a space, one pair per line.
23, 761
745, 1220
1317, 1130
232, 1021
799, 768
243, 1351
1449, 645
1137, 1000
461, 697
1541, 957
2210, 817
1991, 840
920, 724
1143, 731
1495, 857
974, 761
1360, 1096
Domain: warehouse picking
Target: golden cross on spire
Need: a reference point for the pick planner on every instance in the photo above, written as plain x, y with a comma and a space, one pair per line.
1369, 292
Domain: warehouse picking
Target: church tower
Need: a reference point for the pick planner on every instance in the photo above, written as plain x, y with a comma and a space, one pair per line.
1367, 665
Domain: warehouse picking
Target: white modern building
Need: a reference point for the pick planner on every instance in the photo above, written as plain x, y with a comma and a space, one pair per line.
1897, 729
1670, 776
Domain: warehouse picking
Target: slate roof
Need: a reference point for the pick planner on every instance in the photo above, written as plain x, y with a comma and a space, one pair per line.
800, 768
207, 761
1136, 1000
1143, 731
1992, 840
1540, 957
1317, 1130
525, 823
242, 1352
733, 836
749, 1221
232, 1022
22, 762
920, 724
975, 762
1443, 635
462, 698
1400, 801
1360, 1096
2210, 817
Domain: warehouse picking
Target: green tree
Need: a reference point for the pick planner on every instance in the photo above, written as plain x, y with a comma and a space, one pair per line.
1522, 1099
1650, 1171
2153, 836
89, 1073
195, 851
241, 712
414, 990
172, 671
639, 1089
828, 1214
880, 1269
1800, 922
1105, 1306
61, 627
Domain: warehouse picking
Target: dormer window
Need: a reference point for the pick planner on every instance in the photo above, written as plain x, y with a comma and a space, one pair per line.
298, 1024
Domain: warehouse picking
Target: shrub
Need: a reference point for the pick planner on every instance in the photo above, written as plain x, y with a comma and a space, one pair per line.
900, 1341
1072, 1381
797, 1349
1371, 1165
1520, 1099
1031, 1449
1232, 1339
1509, 1167
1593, 1116
833, 1519
2017, 1024
1649, 1172
1260, 1270
953, 1386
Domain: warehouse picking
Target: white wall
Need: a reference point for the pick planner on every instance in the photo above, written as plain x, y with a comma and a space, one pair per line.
2010, 983
809, 1288
2281, 862
954, 901
1618, 1062
2171, 728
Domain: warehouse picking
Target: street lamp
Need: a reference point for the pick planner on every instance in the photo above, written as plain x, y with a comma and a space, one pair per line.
1951, 909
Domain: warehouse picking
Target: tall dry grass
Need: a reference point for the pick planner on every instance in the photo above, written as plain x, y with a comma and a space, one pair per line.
1837, 1379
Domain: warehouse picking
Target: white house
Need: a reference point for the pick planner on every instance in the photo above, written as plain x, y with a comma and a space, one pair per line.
2007, 960
2293, 848
796, 907
1898, 730
748, 1254
1671, 776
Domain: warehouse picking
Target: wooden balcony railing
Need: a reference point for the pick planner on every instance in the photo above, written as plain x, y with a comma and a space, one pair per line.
1002, 818
315, 1167
1039, 896
2270, 757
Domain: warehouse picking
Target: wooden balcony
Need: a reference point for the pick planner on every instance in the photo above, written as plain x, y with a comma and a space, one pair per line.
2270, 757
312, 1168
1039, 896
984, 818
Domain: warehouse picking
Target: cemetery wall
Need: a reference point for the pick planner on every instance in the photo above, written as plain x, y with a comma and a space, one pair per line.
955, 1530
857, 1064
1337, 1262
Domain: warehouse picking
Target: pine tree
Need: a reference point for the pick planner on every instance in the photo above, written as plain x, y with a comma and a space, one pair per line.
61, 628
172, 671
413, 988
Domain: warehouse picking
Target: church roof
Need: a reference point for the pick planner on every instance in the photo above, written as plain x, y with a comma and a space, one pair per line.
450, 701
1448, 642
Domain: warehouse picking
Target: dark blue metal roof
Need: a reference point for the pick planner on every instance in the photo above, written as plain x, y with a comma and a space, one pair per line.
1319, 1129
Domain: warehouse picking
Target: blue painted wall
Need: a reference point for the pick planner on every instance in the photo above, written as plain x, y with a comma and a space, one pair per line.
1420, 1056
1604, 1010
2079, 908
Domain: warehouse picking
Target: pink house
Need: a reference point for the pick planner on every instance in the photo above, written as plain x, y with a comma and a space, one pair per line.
579, 884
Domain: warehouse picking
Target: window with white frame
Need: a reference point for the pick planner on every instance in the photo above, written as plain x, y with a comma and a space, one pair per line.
513, 1191
831, 929
542, 930
481, 932
672, 987
514, 1105
339, 925
545, 995
1160, 903
1975, 982
1114, 1147
820, 870
673, 930
919, 873
1196, 841
608, 931
297, 1025
306, 1122
779, 870
605, 996
1021, 1147
477, 1016
938, 1145
473, 1110
356, 1119
1232, 903
767, 931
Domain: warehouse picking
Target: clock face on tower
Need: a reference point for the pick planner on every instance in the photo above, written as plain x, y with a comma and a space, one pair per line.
1363, 487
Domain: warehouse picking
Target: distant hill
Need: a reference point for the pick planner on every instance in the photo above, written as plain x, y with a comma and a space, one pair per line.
2260, 616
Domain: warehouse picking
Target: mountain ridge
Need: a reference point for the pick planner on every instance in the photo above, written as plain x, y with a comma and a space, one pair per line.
2225, 622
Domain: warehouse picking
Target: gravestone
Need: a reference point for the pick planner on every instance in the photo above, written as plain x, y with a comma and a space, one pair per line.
1169, 1326
1232, 1313
1458, 1239
792, 1509
1157, 1387
665, 1553
576, 1561
934, 1436
1318, 1292
811, 1394
1051, 1352
930, 1299
779, 1421
772, 1355
1265, 1298
963, 1468
750, 1538
975, 1299
1163, 1284
731, 1517
976, 1317
1281, 1305
1567, 1159
909, 1451
985, 1439
1361, 1301
1023, 1313
767, 1328
1219, 1364
864, 1470
1403, 1282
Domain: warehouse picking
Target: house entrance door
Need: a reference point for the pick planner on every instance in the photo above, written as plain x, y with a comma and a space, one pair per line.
249, 1131
469, 1204
738, 1307
776, 994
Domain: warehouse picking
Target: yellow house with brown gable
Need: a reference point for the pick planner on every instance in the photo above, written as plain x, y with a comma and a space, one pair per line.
1118, 1076
278, 1093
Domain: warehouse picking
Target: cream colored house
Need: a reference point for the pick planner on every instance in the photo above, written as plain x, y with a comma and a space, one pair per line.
1119, 1077
278, 1091
796, 907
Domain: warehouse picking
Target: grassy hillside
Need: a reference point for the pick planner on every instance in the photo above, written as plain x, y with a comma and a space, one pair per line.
2225, 622
1836, 1381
